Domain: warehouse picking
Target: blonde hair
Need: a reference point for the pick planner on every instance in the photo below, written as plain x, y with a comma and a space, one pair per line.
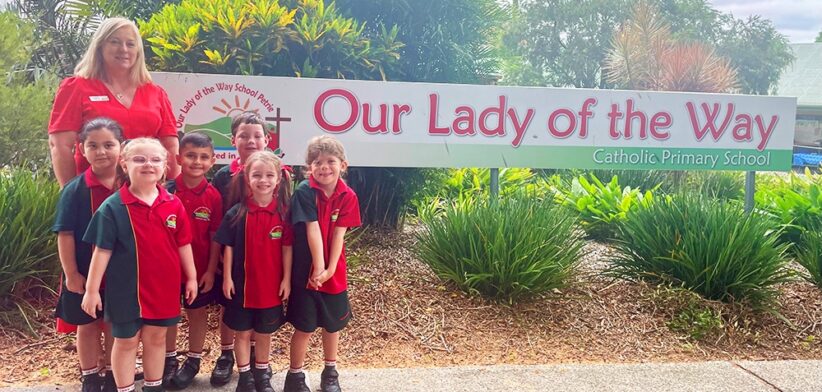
128, 151
324, 144
91, 65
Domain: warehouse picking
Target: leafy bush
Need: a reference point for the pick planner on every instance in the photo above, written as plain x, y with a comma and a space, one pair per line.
514, 248
601, 205
795, 203
710, 247
697, 322
24, 105
809, 255
264, 37
385, 193
27, 205
724, 185
664, 181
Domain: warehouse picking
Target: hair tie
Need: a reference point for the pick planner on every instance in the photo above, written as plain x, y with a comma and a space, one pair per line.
287, 168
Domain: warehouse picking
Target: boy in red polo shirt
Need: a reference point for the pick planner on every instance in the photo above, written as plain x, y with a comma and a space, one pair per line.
322, 209
249, 134
205, 211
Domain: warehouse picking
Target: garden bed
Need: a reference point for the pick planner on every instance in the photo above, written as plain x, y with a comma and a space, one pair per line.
405, 316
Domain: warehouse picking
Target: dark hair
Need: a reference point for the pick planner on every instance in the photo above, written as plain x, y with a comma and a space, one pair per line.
248, 118
196, 140
237, 192
99, 123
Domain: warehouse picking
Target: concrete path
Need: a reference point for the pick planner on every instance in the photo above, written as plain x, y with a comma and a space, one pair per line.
744, 376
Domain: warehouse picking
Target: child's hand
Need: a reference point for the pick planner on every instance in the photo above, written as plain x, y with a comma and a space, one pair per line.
76, 283
92, 303
228, 286
285, 289
318, 279
206, 282
191, 291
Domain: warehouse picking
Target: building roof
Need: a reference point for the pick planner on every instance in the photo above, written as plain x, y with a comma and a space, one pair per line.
803, 78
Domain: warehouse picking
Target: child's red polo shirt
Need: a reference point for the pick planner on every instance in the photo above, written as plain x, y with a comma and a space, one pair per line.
79, 100
205, 212
342, 209
257, 253
143, 276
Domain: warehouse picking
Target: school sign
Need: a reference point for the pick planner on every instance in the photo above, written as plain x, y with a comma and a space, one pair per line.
446, 125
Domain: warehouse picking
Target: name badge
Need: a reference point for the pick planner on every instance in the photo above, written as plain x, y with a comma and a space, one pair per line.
98, 98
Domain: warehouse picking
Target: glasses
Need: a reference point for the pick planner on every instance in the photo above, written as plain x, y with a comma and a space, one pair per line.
142, 160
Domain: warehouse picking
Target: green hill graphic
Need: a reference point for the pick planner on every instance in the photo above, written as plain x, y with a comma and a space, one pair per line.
219, 130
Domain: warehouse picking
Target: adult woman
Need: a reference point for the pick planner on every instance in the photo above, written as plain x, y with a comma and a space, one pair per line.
111, 80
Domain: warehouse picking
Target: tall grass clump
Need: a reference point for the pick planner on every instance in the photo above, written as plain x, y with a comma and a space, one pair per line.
27, 245
809, 255
717, 184
707, 246
515, 248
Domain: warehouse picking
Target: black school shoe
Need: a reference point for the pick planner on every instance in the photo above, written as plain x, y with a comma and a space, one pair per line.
108, 382
223, 368
296, 382
91, 383
245, 383
329, 380
185, 375
169, 369
262, 380
156, 388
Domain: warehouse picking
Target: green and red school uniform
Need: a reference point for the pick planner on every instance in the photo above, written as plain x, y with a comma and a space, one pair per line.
79, 199
256, 242
328, 306
205, 212
79, 100
144, 273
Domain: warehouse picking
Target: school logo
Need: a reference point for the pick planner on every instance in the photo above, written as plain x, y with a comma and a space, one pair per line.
203, 214
171, 221
335, 214
275, 233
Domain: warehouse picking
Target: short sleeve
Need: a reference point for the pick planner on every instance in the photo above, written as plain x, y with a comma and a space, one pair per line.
349, 211
225, 234
168, 126
303, 204
67, 111
183, 233
102, 230
66, 217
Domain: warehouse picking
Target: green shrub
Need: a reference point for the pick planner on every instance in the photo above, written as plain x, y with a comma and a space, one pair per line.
386, 193
515, 248
809, 255
710, 247
793, 202
27, 205
697, 322
601, 205
664, 181
308, 38
724, 185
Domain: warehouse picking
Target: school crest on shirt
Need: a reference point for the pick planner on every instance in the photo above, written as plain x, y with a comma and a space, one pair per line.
203, 214
171, 221
335, 214
275, 233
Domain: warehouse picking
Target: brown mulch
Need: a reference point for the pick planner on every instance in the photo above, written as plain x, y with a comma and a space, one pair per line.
405, 316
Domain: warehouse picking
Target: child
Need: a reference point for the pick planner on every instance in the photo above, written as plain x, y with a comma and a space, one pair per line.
100, 141
205, 211
142, 240
322, 209
257, 262
249, 134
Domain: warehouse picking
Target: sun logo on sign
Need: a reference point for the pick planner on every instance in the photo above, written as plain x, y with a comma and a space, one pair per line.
231, 111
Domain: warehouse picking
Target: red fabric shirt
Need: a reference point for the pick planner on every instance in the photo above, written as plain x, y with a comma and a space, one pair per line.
159, 231
266, 232
204, 206
342, 209
79, 100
